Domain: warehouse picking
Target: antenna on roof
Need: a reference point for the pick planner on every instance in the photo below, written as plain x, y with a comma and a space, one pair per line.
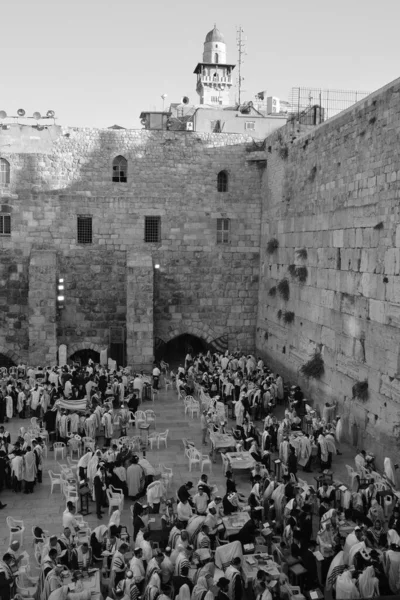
241, 46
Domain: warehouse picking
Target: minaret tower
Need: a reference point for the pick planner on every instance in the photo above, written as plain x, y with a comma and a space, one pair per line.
214, 74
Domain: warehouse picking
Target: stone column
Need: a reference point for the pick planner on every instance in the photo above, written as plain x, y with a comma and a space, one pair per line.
139, 311
42, 308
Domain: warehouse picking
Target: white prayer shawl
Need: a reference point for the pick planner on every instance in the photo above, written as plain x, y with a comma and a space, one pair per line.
226, 553
108, 426
339, 431
389, 472
284, 451
9, 407
337, 561
74, 419
345, 588
392, 560
92, 467
368, 584
84, 460
63, 426
330, 440
155, 491
324, 448
353, 551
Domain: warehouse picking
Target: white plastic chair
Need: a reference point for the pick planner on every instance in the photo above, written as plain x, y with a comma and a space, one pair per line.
166, 474
206, 460
88, 444
115, 492
194, 457
194, 408
150, 417
132, 419
35, 423
58, 447
162, 437
24, 592
167, 383
187, 402
154, 394
74, 447
42, 539
152, 439
17, 529
113, 500
55, 479
140, 418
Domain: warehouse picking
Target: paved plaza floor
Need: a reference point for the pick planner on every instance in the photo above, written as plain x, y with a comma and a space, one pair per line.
45, 509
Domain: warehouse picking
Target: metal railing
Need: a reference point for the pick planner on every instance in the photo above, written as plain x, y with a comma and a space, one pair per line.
312, 106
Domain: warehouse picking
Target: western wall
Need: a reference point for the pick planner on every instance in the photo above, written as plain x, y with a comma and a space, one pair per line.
331, 200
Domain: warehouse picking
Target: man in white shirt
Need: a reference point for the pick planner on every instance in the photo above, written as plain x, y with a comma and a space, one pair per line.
184, 512
145, 545
200, 501
137, 566
138, 386
68, 519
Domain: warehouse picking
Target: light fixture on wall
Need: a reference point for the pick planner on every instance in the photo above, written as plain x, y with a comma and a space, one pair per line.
156, 266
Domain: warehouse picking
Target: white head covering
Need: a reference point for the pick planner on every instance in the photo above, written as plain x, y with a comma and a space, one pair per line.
366, 582
388, 468
393, 537
345, 587
184, 592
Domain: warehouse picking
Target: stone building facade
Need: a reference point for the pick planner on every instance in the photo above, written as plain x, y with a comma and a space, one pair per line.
207, 280
331, 200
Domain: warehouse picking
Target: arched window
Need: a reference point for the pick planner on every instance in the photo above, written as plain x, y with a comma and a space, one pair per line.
222, 181
216, 58
120, 169
4, 171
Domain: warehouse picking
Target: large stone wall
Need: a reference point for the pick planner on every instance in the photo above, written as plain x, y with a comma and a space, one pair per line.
201, 287
335, 193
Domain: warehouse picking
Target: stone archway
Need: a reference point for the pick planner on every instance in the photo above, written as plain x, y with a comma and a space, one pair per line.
198, 329
71, 349
10, 355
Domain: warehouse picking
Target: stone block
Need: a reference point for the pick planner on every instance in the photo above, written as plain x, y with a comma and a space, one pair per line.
338, 238
377, 311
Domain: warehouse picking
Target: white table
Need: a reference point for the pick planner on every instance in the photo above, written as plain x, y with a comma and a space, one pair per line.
240, 460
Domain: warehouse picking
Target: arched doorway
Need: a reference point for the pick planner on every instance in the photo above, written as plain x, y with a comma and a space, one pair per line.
82, 356
6, 361
175, 350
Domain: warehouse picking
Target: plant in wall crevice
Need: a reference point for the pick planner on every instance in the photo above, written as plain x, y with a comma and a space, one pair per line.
314, 367
272, 291
302, 253
292, 270
279, 314
360, 390
288, 317
283, 289
302, 274
272, 245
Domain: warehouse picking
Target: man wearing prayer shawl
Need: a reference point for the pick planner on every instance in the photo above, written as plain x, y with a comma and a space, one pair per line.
235, 590
30, 470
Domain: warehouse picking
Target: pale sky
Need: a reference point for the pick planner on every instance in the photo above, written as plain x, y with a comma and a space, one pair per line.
96, 63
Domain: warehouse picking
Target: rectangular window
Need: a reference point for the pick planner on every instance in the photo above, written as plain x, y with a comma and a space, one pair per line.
152, 229
250, 125
214, 99
223, 231
84, 229
5, 224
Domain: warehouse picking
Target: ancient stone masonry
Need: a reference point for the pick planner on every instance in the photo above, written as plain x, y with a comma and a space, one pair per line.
331, 199
202, 287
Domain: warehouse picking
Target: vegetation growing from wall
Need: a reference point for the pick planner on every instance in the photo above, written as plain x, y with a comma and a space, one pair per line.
292, 270
288, 317
272, 291
302, 253
314, 367
279, 314
302, 274
272, 245
283, 289
360, 390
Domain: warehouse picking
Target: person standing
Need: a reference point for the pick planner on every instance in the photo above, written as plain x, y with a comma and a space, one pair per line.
30, 469
134, 477
99, 487
6, 577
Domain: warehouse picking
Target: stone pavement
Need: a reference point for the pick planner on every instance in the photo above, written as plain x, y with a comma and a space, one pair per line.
45, 509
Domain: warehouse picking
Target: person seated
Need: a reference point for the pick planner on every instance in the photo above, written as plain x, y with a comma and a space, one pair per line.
81, 558
231, 503
255, 451
326, 493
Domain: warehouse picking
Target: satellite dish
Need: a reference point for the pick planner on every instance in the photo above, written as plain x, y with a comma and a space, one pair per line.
3, 114
21, 112
51, 114
37, 115
185, 100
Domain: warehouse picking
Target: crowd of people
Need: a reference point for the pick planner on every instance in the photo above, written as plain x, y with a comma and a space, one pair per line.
286, 520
